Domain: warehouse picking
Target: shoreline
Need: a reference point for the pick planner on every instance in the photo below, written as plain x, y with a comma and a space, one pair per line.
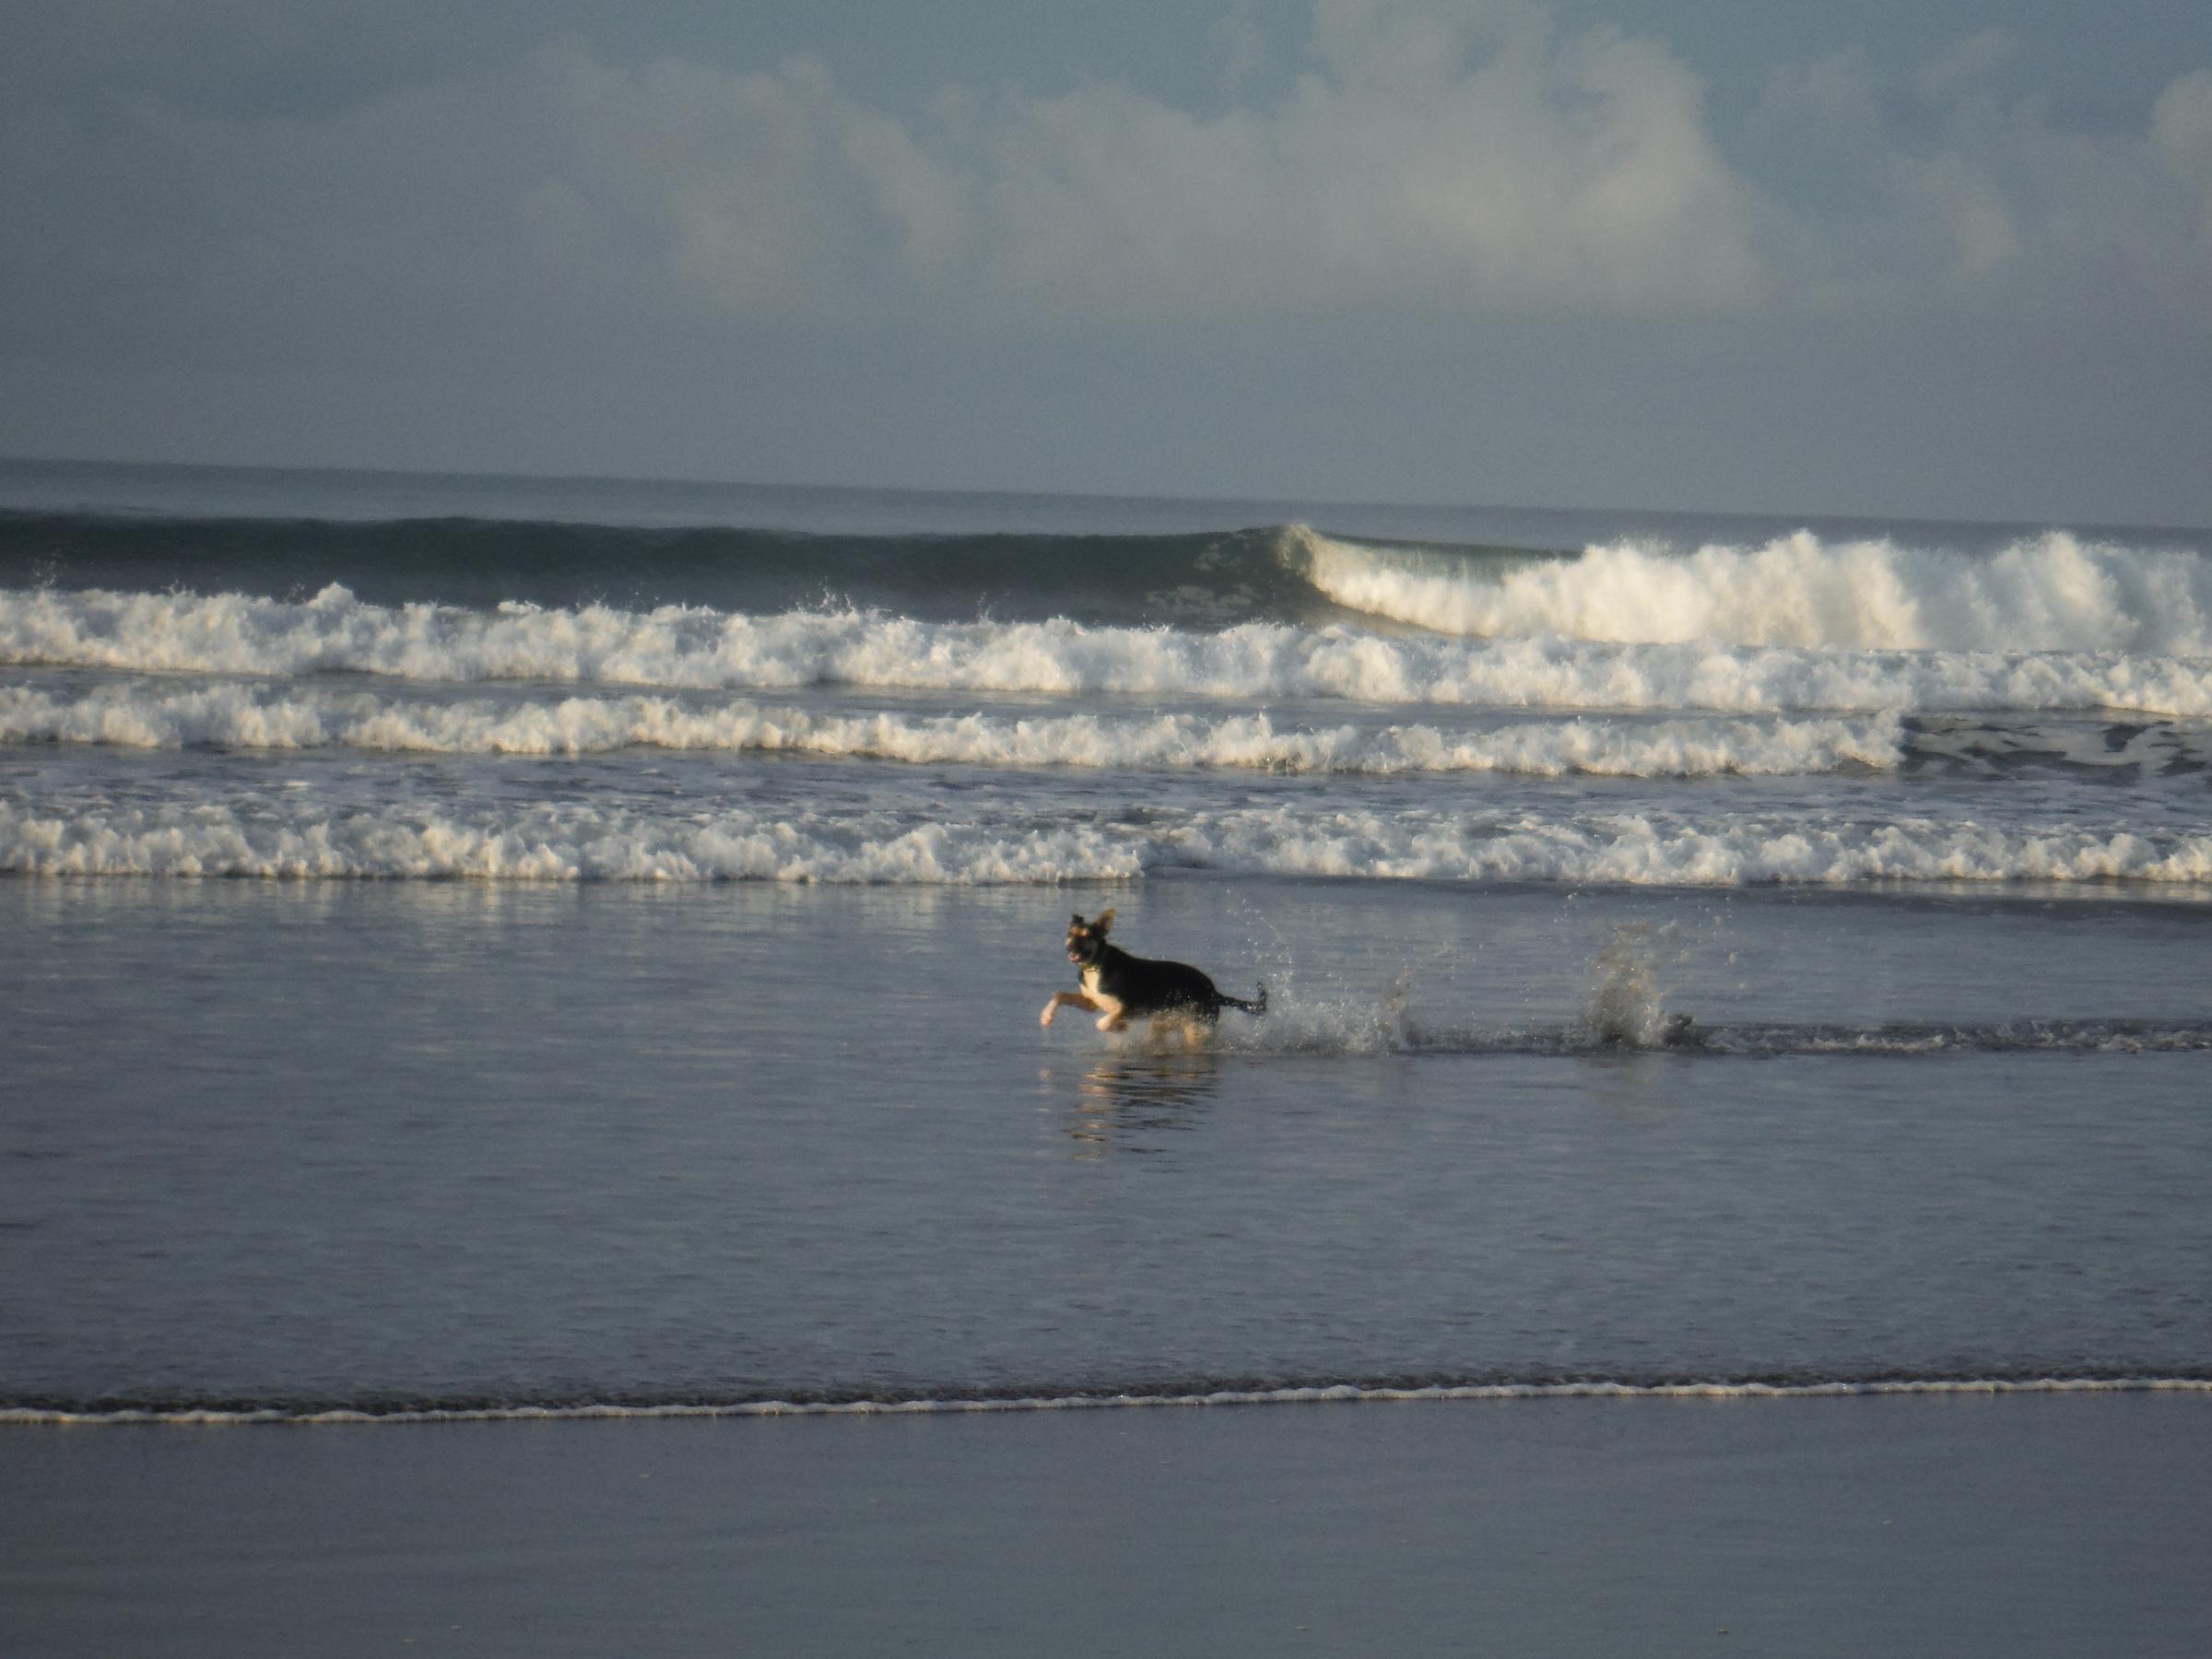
1339, 1394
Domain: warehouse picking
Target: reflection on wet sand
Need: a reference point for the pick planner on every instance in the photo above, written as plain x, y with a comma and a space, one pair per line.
1129, 1098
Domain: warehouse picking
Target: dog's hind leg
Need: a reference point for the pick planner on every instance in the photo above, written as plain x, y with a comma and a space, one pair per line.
1192, 1025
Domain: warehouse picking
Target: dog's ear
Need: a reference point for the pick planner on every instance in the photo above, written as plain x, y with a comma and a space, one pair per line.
1104, 921
1076, 920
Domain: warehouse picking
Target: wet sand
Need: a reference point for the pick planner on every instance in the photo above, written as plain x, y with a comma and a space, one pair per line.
2058, 1524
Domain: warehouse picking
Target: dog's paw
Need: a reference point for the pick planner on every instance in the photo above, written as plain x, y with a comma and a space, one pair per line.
1050, 1009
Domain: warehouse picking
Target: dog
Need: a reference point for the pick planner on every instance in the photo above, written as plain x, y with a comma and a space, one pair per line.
1118, 987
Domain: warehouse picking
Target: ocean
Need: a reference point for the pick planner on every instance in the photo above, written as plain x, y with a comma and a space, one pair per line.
508, 950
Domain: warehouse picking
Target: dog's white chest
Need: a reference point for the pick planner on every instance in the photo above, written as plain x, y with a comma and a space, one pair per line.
1109, 1006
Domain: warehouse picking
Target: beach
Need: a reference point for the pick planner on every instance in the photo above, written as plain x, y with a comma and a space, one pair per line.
525, 1124
1961, 1527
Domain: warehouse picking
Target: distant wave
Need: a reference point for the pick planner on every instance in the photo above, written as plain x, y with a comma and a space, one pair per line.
1191, 580
2054, 591
697, 648
259, 715
2050, 592
1162, 1396
296, 836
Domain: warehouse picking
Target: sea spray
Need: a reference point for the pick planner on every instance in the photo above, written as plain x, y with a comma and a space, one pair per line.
1623, 995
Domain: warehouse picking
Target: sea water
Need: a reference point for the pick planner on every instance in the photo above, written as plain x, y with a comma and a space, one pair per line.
501, 947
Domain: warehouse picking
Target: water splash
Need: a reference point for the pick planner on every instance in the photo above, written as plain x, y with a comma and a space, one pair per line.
1624, 999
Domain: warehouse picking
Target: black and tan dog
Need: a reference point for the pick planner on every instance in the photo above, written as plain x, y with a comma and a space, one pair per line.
1119, 987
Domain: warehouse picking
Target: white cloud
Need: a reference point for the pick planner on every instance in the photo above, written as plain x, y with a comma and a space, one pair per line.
1408, 169
932, 205
738, 179
2181, 130
1439, 156
1436, 158
1558, 178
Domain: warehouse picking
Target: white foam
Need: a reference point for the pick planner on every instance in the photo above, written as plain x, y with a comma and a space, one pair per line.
299, 717
689, 648
1337, 1394
295, 835
288, 839
2052, 592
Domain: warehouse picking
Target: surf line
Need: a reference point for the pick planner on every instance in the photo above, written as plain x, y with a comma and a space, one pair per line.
1314, 1394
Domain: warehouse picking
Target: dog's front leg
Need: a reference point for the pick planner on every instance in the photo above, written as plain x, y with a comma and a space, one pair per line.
1065, 999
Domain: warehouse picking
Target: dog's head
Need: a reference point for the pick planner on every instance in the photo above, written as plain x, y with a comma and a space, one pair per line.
1086, 939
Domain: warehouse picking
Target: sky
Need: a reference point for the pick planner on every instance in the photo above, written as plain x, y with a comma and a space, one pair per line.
1934, 258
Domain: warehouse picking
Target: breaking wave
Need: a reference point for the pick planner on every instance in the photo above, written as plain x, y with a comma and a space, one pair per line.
2054, 591
260, 715
2049, 592
294, 836
696, 648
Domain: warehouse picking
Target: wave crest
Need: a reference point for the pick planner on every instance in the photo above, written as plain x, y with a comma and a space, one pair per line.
694, 648
309, 717
300, 838
2049, 592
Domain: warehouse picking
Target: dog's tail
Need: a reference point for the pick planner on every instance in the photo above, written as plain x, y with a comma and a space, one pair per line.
1256, 1006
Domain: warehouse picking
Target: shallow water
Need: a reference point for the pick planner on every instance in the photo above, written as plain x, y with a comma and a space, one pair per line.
405, 1146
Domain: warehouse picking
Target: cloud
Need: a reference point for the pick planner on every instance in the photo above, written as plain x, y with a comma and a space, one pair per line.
1432, 158
1952, 187
1404, 172
2181, 130
1437, 156
738, 180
